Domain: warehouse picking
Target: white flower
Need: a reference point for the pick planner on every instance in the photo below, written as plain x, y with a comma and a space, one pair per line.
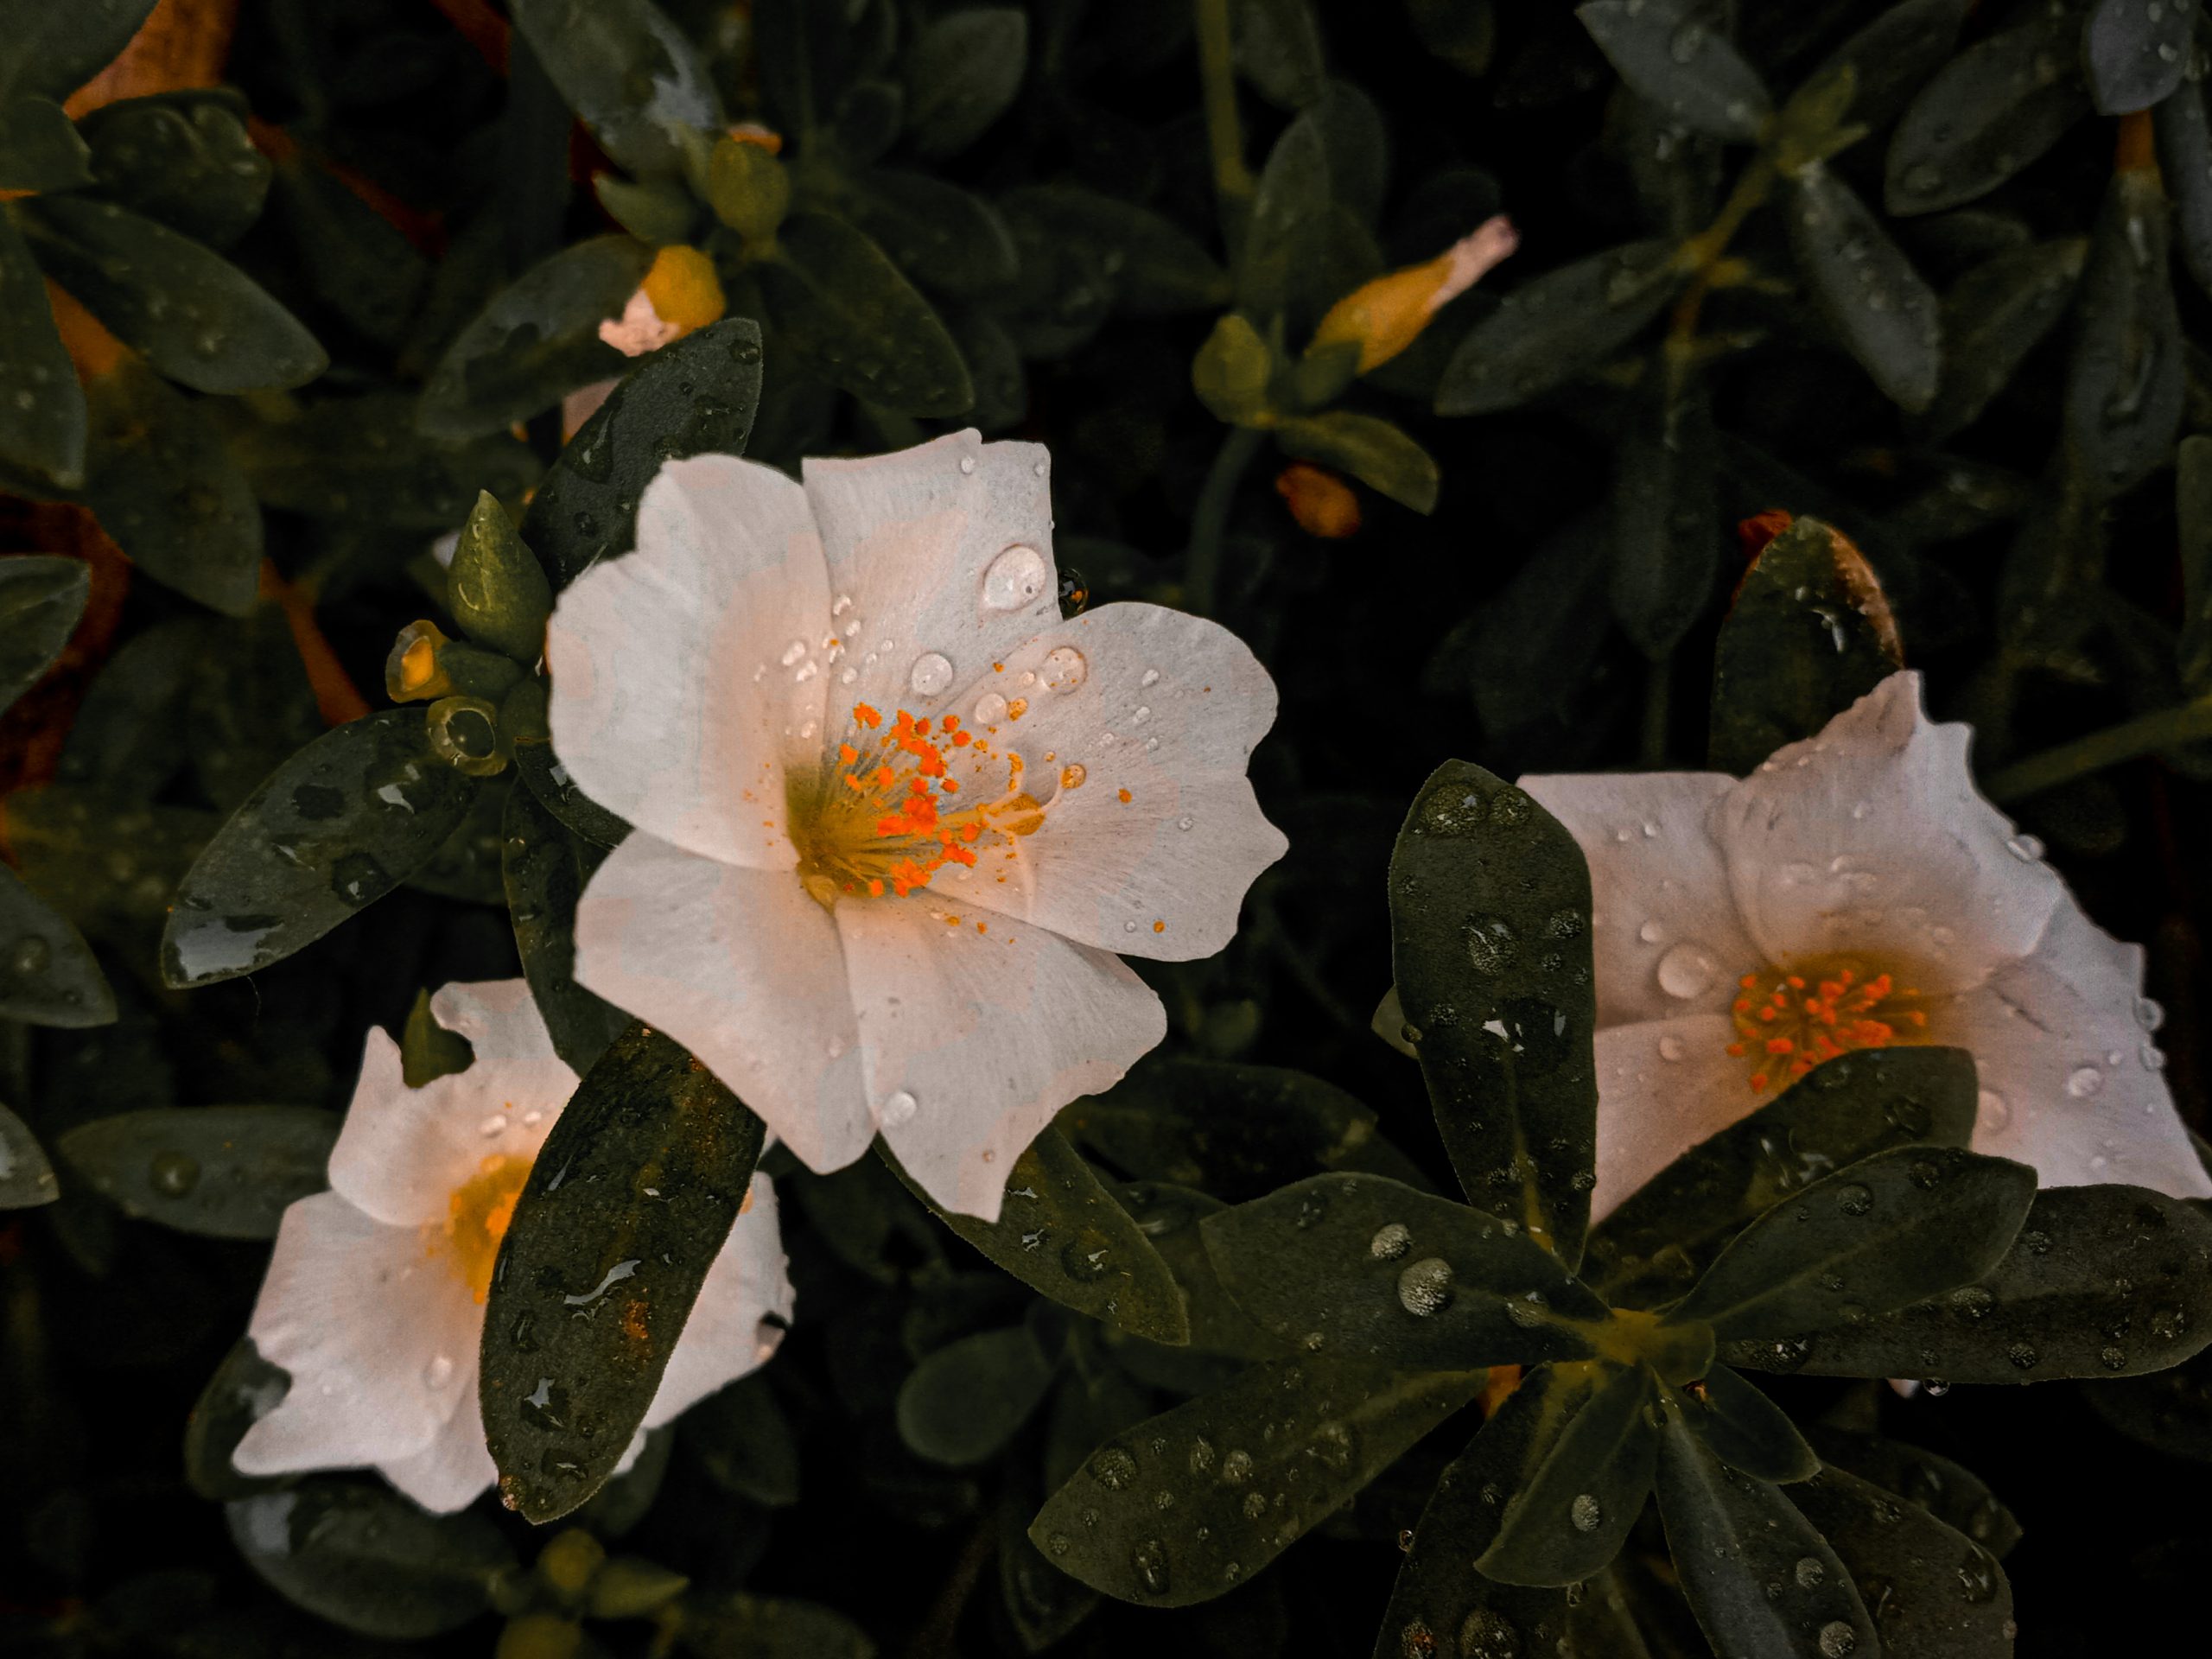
374, 1300
894, 817
1853, 891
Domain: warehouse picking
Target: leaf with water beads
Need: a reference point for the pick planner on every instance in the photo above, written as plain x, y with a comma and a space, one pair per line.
227, 1172
46, 437
1993, 317
1190, 1504
1954, 1494
1374, 451
2105, 1280
1989, 112
1550, 330
544, 868
841, 304
629, 1202
48, 975
2125, 384
1744, 1428
1866, 287
2134, 54
1654, 1245
245, 1389
1666, 518
634, 77
40, 149
962, 72
182, 157
715, 1624
1059, 1231
1358, 1265
2184, 148
1490, 949
26, 1178
496, 588
1680, 65
1580, 1476
1933, 1593
1876, 1236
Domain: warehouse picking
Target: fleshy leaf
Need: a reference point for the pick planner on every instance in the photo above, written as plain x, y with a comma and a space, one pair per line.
51, 51
47, 974
839, 303
1866, 287
26, 1178
1681, 66
227, 1172
1552, 329
1941, 1596
1581, 1483
1989, 112
48, 437
625, 68
41, 597
965, 1401
1746, 1429
545, 868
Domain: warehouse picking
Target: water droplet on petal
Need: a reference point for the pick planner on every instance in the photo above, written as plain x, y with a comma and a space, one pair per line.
438, 1372
932, 672
2026, 848
495, 1124
1065, 668
990, 708
2084, 1081
1651, 932
1014, 579
897, 1107
792, 652
1993, 1112
1687, 971
967, 464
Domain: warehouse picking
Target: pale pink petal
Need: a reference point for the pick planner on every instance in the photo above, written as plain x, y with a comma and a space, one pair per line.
1663, 1085
1871, 837
745, 970
455, 1468
373, 1328
2071, 1081
402, 1151
637, 330
940, 561
729, 1332
688, 674
1667, 937
580, 405
1135, 728
977, 1029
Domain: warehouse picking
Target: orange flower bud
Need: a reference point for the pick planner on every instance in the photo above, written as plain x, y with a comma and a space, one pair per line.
1323, 504
1386, 315
684, 290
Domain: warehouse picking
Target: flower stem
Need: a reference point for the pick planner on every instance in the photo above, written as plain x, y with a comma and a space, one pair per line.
2188, 722
1232, 180
1210, 521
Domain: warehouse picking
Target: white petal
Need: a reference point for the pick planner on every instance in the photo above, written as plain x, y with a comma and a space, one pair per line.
360, 1315
725, 1337
1872, 837
975, 1036
2062, 1055
402, 1151
688, 674
1659, 890
745, 970
499, 1016
1167, 710
910, 539
1652, 1108
455, 1468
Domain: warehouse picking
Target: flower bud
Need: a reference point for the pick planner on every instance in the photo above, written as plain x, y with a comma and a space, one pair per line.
749, 189
1386, 315
680, 292
570, 1561
1322, 503
465, 731
629, 1588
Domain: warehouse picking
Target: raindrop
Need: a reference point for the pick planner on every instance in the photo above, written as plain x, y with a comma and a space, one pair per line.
2152, 1058
990, 708
967, 464
1237, 1468
1150, 1561
1424, 1287
1491, 944
438, 1372
2084, 1081
792, 652
173, 1173
32, 954
1994, 1113
932, 672
897, 1107
2148, 1014
1586, 1512
2026, 848
1065, 668
1113, 1468
495, 1124
1184, 821
1854, 1199
1687, 971
1837, 1638
1390, 1242
1015, 578
1651, 932
1671, 1047
1810, 1573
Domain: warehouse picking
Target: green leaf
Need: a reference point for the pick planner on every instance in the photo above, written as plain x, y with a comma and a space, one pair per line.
596, 1276
1371, 450
48, 435
1866, 287
1490, 950
1942, 1595
1989, 112
40, 149
1231, 372
1522, 652
1356, 1264
128, 739
1278, 47
1174, 1218
1761, 1579
1149, 264
496, 588
357, 262
965, 1401
348, 459
839, 303
2125, 385
1893, 55
358, 1553
744, 1441
26, 1178
1043, 1603
245, 1388
716, 1623
227, 1172
660, 211
1809, 635
943, 237
1548, 331
50, 51
109, 865
1666, 538
48, 976
1248, 1469
697, 397
1580, 1477
1744, 1428
1666, 1233
42, 597
1060, 1232
2134, 54
1876, 1236
249, 706
1992, 317
634, 76
2106, 1281
2185, 166
537, 342
336, 827
183, 158
749, 189
1304, 244
1951, 1492
1464, 33
962, 72
1680, 65
194, 316
545, 867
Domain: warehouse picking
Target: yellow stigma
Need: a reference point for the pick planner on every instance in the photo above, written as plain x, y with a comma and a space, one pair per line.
1387, 315
685, 289
1791, 1018
477, 1214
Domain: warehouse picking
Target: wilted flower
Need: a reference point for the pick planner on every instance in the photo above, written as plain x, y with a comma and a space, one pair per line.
375, 1297
894, 815
1855, 891
1386, 315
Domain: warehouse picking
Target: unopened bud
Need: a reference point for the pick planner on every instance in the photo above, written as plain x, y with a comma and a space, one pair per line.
1322, 503
1386, 315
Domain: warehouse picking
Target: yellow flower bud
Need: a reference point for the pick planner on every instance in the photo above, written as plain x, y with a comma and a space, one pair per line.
1322, 503
684, 290
1386, 315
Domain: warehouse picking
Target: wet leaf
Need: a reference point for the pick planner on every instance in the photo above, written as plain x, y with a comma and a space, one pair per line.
1666, 524
245, 1389
967, 1400
1559, 326
1059, 1231
1578, 1476
358, 1553
1680, 64
427, 1050
357, 262
715, 1624
1866, 287
625, 68
1376, 453
1247, 1470
109, 864
1172, 1218
962, 72
1876, 1236
1358, 1265
1044, 1605
249, 706
40, 149
1521, 653
628, 1203
48, 975
2125, 385
496, 588
943, 237
2134, 54
1744, 1428
2185, 167
1151, 266
1933, 1593
745, 1442
697, 397
26, 1178
196, 317
183, 158
48, 435
1952, 1493
1891, 56
1992, 317
839, 303
41, 597
335, 828
50, 51
1654, 1245
545, 868
1490, 949
1989, 112
227, 1172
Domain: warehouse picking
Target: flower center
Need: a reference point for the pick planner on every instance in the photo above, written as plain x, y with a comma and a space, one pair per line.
888, 815
477, 1214
1789, 1019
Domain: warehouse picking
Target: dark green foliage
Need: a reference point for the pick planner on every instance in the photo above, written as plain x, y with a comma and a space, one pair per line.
225, 1171
41, 599
48, 435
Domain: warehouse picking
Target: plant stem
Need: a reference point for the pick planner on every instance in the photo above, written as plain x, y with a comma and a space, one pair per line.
1210, 521
1232, 180
2188, 722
